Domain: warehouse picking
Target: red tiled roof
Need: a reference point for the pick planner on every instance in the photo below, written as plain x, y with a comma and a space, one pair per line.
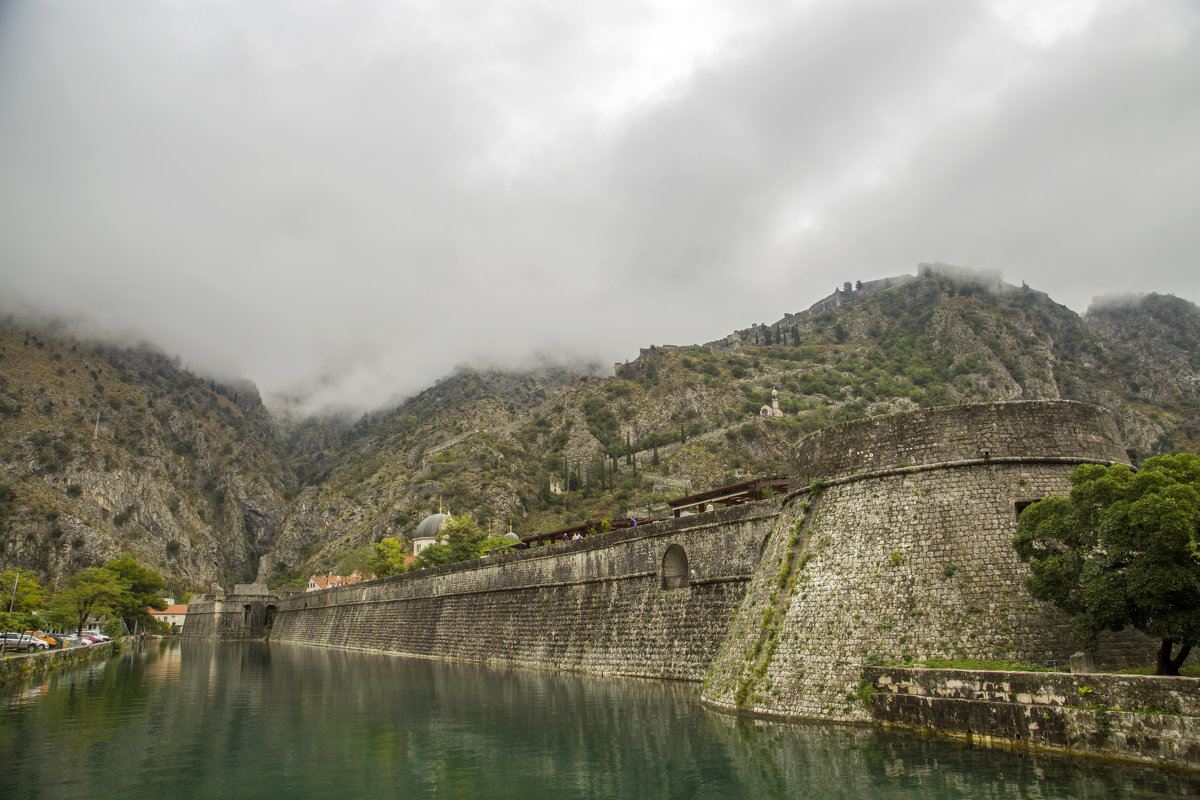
326, 581
176, 609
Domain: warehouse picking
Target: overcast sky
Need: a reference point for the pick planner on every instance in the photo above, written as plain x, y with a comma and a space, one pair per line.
343, 201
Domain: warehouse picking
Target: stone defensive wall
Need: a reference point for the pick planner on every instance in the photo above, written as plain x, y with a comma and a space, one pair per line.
652, 601
1136, 717
980, 435
896, 549
900, 550
245, 614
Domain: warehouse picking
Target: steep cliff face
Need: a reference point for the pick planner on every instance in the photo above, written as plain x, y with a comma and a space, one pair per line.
1157, 342
454, 443
109, 449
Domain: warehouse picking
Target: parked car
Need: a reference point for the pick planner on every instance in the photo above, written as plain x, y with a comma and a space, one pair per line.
97, 636
15, 642
45, 637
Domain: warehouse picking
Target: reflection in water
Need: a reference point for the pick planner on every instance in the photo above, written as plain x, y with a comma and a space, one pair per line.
215, 720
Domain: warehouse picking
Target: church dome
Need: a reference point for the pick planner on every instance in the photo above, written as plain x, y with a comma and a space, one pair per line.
431, 526
511, 537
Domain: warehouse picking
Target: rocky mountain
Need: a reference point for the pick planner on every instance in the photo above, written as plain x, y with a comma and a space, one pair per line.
196, 478
109, 448
1155, 340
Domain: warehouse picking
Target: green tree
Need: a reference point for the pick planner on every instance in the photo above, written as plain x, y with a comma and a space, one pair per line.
464, 537
114, 626
464, 541
20, 594
356, 560
388, 558
491, 542
1122, 551
22, 590
432, 556
143, 592
92, 592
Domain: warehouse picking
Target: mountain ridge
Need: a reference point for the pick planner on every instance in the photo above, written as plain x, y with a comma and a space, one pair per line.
197, 478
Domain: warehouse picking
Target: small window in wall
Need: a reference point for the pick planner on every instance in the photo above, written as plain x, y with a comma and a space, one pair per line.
270, 616
246, 615
1021, 505
674, 568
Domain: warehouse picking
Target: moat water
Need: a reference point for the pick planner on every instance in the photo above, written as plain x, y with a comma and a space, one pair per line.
247, 720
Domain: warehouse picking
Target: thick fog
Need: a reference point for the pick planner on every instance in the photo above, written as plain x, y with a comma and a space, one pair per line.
343, 201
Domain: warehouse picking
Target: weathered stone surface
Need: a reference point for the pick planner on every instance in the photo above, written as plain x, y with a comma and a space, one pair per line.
1036, 432
1146, 718
247, 613
906, 554
901, 550
1083, 663
597, 605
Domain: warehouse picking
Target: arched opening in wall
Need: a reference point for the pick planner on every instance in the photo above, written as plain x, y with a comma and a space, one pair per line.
270, 617
246, 614
674, 568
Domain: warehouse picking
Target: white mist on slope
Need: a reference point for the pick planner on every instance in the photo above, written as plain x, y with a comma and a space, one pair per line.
342, 202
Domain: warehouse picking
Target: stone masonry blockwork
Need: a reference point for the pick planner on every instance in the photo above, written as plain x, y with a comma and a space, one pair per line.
1145, 718
906, 554
597, 605
898, 548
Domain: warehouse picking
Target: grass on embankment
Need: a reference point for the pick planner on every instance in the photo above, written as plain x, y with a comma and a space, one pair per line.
1190, 671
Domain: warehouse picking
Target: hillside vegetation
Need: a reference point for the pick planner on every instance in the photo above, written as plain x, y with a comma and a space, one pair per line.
202, 465
108, 449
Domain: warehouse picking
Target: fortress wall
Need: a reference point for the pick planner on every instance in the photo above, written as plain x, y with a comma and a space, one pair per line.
225, 619
245, 614
202, 620
1153, 719
906, 554
899, 550
596, 605
1032, 431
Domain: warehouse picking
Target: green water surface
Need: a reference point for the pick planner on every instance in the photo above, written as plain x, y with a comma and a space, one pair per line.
249, 720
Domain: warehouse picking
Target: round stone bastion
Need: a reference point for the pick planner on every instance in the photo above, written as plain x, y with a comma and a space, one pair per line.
901, 551
1033, 431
